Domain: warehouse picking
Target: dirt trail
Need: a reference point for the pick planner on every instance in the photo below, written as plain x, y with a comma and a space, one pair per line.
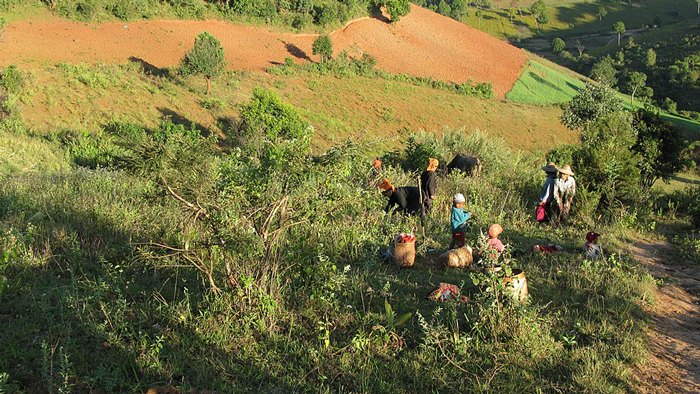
674, 338
423, 43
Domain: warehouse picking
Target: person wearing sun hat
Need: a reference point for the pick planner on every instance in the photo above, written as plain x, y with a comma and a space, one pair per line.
406, 199
428, 184
547, 195
458, 221
564, 191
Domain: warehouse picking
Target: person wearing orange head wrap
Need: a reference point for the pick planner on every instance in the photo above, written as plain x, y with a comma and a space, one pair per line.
406, 199
428, 184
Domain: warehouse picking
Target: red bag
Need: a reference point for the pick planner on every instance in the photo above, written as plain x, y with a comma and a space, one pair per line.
540, 213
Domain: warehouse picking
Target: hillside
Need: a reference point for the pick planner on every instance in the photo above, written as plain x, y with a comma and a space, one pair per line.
462, 52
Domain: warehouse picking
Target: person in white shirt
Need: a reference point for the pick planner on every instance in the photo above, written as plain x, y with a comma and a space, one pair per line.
564, 191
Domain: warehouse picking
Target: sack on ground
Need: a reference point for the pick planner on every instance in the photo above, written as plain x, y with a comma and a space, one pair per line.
458, 258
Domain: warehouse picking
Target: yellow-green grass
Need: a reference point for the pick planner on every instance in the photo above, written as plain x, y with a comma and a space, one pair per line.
22, 154
679, 181
576, 18
542, 85
545, 83
84, 98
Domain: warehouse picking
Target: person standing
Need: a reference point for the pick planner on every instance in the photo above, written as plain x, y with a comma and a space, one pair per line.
458, 221
564, 191
428, 185
544, 208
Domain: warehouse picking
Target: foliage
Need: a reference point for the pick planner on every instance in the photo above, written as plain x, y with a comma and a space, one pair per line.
206, 58
397, 9
324, 47
659, 145
619, 28
11, 80
606, 162
604, 72
558, 45
273, 131
591, 104
636, 83
344, 65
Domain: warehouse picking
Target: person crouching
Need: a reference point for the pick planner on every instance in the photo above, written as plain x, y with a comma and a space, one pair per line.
407, 199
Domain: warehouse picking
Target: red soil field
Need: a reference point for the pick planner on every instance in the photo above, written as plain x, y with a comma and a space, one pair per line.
422, 43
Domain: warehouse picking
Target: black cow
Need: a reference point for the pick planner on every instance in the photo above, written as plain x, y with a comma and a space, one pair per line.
468, 165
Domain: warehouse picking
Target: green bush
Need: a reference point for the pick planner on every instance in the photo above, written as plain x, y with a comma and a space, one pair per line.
273, 131
12, 80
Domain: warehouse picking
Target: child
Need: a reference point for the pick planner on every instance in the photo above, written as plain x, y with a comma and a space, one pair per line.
458, 221
591, 248
494, 243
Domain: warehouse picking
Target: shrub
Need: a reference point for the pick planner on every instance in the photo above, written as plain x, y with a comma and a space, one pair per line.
273, 131
558, 45
12, 80
660, 146
589, 105
324, 47
397, 9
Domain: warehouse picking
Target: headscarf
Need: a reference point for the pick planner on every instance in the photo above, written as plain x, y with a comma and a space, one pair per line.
433, 164
386, 185
592, 236
495, 230
377, 163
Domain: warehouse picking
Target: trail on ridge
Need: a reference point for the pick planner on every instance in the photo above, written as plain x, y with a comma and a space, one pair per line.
674, 337
422, 43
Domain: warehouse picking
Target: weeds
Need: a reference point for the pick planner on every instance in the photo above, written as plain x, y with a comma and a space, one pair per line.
157, 258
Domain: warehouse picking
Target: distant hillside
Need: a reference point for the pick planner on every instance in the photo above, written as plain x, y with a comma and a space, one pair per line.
421, 44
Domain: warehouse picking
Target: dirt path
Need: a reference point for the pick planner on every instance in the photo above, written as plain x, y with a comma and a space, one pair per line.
422, 43
674, 337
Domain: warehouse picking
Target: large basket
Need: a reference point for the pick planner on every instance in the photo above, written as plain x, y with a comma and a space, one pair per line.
403, 254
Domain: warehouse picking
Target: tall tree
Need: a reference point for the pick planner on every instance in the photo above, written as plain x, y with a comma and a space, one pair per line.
660, 145
619, 28
602, 11
538, 9
205, 58
512, 14
604, 72
636, 82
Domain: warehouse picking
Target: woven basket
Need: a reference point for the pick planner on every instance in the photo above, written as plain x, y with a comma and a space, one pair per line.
404, 254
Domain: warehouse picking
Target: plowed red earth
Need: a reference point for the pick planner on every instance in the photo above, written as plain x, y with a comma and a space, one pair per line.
422, 43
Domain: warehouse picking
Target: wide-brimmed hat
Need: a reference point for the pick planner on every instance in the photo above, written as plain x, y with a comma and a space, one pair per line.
550, 167
592, 236
566, 170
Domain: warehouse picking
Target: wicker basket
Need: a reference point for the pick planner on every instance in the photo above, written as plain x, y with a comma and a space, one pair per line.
403, 254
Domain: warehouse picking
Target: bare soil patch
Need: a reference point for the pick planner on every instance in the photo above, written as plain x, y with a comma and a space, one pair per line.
674, 336
422, 44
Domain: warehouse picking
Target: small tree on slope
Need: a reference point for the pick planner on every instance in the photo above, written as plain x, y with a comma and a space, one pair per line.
206, 58
324, 47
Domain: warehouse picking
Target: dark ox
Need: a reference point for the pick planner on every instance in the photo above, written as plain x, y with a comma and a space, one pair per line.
468, 165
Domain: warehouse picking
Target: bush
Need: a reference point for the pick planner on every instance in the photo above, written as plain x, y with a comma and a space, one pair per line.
12, 80
273, 131
324, 47
558, 45
397, 9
